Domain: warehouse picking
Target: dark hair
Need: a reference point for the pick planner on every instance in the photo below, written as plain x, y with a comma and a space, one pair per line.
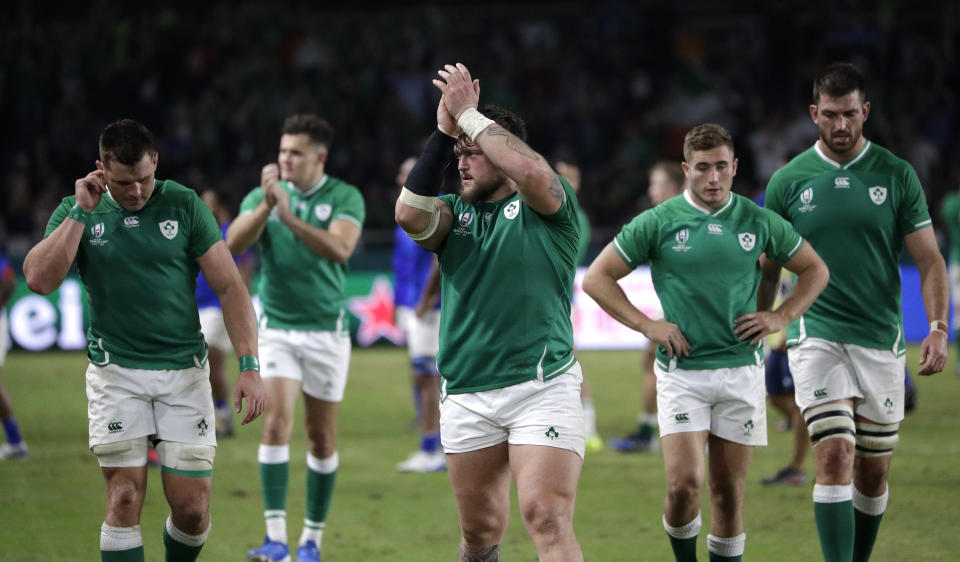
839, 79
506, 119
126, 141
673, 169
705, 137
319, 130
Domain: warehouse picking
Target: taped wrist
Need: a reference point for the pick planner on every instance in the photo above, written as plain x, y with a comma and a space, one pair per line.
473, 123
427, 174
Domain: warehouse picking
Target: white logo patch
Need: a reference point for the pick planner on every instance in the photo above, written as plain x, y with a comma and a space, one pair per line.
169, 229
715, 228
323, 211
747, 240
841, 182
681, 237
806, 196
512, 210
98, 230
878, 194
466, 219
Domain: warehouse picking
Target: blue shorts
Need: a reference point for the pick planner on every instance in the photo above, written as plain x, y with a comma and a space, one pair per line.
779, 379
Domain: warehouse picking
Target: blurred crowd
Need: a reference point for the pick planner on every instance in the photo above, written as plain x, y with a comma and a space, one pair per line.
612, 86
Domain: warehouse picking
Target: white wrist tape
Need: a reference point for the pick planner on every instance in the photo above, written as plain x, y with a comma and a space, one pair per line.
473, 123
424, 203
939, 326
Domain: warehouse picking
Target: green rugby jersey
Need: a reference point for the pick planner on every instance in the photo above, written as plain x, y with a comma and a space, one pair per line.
584, 230
300, 290
507, 277
705, 269
140, 272
855, 216
950, 213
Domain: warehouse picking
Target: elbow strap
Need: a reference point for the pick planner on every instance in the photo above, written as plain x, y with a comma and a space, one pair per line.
428, 204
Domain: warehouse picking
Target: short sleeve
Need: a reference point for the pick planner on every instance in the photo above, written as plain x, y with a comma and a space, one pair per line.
59, 215
251, 201
204, 231
773, 196
912, 214
568, 210
637, 241
352, 208
784, 241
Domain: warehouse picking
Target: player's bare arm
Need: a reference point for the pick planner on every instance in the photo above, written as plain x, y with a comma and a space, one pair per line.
812, 279
600, 283
537, 183
246, 229
47, 263
241, 322
335, 244
414, 221
934, 287
431, 290
7, 286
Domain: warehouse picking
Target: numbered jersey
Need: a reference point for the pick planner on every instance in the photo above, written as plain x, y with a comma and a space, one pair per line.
507, 277
300, 290
140, 269
855, 216
705, 269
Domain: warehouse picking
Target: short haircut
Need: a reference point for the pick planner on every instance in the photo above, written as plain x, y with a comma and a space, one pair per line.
126, 141
674, 171
705, 137
838, 80
319, 130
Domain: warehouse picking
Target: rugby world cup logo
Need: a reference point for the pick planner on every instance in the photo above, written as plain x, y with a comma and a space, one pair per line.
806, 196
681, 237
465, 219
97, 230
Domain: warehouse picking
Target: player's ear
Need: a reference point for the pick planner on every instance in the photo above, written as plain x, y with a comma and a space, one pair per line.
866, 110
813, 112
733, 167
100, 165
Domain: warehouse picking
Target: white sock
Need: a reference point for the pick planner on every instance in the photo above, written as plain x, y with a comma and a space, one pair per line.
184, 538
727, 546
687, 531
119, 538
312, 531
868, 505
823, 493
589, 417
273, 454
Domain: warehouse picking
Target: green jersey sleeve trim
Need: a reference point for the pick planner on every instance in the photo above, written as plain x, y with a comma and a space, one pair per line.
623, 254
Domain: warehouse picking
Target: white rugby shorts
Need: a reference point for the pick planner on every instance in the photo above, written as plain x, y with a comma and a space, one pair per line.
423, 333
729, 403
173, 405
318, 359
214, 330
824, 371
535, 412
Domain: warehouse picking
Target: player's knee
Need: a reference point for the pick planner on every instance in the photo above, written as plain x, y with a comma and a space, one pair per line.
876, 440
542, 517
683, 491
186, 459
126, 453
830, 421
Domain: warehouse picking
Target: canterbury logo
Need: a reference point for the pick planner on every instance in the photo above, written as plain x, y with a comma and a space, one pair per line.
682, 418
715, 228
819, 393
115, 427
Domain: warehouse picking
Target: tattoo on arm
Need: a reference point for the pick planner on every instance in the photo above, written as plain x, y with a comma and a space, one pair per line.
492, 555
512, 142
555, 189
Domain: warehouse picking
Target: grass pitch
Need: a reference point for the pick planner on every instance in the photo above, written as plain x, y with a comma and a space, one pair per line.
52, 503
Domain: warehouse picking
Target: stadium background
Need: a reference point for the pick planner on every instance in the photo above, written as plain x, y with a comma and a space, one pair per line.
611, 85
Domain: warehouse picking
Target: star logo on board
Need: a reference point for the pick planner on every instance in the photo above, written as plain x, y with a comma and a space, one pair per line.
375, 312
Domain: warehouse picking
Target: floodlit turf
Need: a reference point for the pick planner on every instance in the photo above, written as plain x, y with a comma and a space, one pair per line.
52, 504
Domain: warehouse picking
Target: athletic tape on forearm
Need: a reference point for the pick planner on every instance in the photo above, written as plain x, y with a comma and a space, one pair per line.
78, 214
249, 363
426, 176
473, 123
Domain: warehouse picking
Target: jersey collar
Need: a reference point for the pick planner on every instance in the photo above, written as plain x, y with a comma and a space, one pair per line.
315, 188
704, 210
848, 163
